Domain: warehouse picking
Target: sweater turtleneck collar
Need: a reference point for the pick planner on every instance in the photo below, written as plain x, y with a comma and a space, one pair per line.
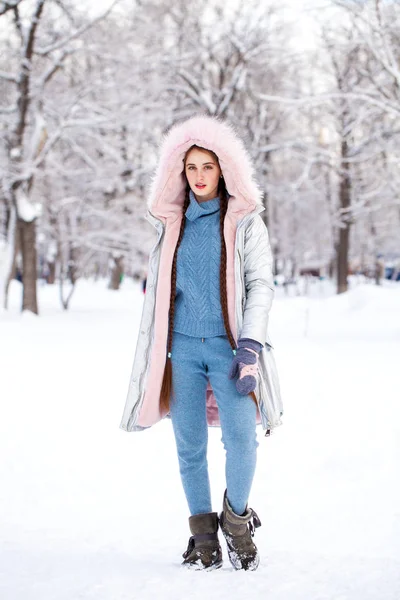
199, 209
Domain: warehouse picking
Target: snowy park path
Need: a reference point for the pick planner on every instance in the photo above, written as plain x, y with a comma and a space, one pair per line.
88, 511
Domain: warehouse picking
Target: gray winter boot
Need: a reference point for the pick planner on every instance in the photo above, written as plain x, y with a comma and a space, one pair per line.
203, 551
238, 531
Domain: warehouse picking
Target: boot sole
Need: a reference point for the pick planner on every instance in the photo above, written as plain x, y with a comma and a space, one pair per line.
194, 567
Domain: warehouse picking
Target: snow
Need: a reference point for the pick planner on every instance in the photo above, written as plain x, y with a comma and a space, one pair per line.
26, 210
91, 512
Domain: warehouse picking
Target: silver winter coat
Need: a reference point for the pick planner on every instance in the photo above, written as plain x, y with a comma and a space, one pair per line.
254, 291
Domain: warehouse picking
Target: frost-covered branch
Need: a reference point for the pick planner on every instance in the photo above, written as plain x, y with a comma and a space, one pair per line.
9, 5
390, 107
8, 77
9, 110
75, 34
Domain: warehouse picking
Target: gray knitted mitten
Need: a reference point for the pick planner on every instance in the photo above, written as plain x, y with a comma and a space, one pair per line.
245, 365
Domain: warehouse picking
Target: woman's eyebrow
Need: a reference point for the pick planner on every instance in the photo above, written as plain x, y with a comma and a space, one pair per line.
206, 163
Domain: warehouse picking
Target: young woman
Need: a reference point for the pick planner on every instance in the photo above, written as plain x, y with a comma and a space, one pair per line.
203, 356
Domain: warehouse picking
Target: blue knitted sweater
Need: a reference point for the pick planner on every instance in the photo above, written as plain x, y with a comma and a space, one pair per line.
198, 310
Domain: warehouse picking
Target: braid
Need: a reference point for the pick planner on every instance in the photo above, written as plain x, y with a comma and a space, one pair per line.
222, 267
222, 271
166, 387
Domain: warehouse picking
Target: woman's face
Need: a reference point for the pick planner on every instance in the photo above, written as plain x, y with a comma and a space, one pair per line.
202, 172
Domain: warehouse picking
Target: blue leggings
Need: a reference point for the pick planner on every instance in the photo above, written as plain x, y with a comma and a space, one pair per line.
194, 360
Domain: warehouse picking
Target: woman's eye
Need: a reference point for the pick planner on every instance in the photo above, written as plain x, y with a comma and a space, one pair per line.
192, 167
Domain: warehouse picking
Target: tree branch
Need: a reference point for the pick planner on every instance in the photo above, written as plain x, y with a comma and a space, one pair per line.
389, 107
48, 49
10, 5
8, 77
9, 110
24, 80
17, 20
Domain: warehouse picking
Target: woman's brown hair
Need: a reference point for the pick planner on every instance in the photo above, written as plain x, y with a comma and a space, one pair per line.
166, 388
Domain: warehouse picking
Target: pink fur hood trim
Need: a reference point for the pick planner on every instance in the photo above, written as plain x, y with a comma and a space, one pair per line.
167, 189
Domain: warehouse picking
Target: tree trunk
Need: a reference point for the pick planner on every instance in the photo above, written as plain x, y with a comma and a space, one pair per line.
51, 278
379, 271
27, 236
332, 268
117, 272
344, 229
11, 241
65, 300
72, 275
343, 259
12, 274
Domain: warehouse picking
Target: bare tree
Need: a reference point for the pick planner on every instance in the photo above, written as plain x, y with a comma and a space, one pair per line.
28, 142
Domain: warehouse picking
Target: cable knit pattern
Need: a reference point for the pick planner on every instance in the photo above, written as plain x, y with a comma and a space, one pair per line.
198, 310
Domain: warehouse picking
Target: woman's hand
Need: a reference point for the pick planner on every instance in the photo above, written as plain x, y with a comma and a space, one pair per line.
245, 365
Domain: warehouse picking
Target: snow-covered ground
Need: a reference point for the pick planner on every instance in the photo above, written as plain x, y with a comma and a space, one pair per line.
88, 511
